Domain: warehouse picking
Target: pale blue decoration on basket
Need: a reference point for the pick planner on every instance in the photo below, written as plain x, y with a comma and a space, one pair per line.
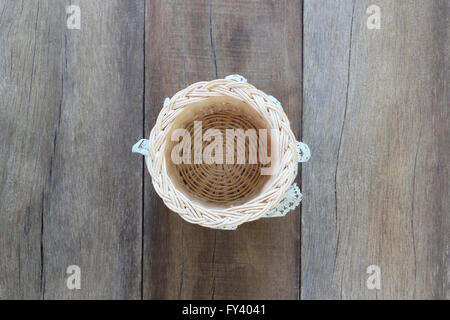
236, 77
166, 101
142, 147
291, 200
223, 228
275, 100
304, 154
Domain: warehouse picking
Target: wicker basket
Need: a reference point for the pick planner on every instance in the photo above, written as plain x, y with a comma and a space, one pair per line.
223, 194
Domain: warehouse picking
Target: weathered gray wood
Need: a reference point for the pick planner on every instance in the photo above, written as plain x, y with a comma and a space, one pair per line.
30, 90
204, 40
92, 217
376, 117
71, 107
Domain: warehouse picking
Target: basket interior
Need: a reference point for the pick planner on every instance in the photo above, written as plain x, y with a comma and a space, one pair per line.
219, 184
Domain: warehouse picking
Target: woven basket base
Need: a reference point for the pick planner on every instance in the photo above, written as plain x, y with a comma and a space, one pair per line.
219, 185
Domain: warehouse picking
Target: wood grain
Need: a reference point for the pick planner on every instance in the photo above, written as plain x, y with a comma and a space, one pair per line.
371, 104
30, 91
202, 40
93, 215
376, 117
71, 105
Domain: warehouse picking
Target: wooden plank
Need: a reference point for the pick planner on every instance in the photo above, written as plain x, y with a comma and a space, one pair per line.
30, 90
92, 210
189, 41
377, 120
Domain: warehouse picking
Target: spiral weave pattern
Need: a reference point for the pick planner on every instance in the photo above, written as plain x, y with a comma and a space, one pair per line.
255, 208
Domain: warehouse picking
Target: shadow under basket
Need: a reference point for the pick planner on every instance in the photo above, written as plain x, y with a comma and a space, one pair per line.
222, 153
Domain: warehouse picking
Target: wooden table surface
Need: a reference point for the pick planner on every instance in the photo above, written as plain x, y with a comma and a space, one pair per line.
372, 104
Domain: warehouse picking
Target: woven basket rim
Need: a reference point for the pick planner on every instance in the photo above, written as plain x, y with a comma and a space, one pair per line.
195, 212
